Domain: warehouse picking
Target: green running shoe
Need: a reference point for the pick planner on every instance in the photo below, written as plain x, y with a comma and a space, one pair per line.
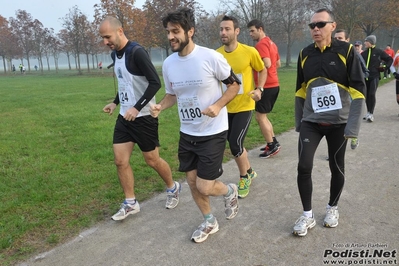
252, 175
243, 187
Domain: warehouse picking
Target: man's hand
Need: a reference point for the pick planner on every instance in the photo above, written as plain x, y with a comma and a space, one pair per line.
211, 111
131, 114
255, 94
155, 109
109, 108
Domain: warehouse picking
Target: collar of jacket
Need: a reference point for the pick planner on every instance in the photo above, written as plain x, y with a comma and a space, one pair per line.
324, 47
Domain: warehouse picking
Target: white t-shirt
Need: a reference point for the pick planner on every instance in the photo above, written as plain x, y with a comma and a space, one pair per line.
195, 80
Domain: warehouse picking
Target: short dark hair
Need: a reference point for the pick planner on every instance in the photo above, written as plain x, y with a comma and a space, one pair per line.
231, 18
344, 31
257, 23
183, 16
330, 13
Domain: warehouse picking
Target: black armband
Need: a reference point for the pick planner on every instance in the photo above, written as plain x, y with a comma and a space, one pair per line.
233, 78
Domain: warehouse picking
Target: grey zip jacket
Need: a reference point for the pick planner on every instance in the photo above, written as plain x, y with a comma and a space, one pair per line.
337, 64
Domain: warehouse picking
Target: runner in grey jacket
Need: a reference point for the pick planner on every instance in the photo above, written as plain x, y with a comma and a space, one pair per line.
328, 76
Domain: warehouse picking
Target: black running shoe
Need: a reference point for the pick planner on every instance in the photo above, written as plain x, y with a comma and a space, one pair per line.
269, 152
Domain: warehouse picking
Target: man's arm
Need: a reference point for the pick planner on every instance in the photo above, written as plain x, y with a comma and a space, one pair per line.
262, 76
278, 63
228, 95
387, 59
300, 94
268, 64
395, 65
168, 101
143, 61
357, 88
256, 94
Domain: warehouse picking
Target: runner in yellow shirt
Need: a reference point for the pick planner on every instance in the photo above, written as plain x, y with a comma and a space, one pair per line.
243, 59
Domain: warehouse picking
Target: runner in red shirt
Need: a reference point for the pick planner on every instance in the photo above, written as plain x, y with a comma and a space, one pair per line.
269, 53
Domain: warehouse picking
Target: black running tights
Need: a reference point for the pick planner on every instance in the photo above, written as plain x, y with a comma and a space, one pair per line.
310, 136
371, 86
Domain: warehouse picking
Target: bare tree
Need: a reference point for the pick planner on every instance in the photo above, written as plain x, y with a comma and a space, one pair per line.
22, 28
75, 23
65, 45
289, 17
366, 16
132, 19
47, 46
89, 35
54, 48
207, 30
374, 14
9, 48
393, 32
39, 42
246, 10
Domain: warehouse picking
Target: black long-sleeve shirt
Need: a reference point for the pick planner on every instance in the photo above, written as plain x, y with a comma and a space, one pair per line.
139, 64
373, 56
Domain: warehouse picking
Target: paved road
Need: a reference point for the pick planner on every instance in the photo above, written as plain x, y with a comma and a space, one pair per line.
261, 232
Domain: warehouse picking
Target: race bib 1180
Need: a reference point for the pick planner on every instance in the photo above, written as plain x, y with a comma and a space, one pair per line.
189, 110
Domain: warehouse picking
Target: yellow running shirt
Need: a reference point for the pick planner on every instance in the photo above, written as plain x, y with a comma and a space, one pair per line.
243, 60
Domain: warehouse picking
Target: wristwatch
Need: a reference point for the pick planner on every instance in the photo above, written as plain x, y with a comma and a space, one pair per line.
260, 88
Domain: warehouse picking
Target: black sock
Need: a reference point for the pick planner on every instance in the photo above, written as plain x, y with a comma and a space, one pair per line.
249, 170
271, 145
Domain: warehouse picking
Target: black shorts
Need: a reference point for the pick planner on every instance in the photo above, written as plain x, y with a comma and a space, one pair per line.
266, 103
143, 131
204, 154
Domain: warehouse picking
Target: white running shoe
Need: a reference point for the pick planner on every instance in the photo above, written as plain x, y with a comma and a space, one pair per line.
332, 216
172, 198
303, 224
370, 118
126, 210
231, 203
204, 230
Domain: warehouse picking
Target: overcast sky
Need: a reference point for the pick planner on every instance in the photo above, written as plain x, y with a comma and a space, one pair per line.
49, 12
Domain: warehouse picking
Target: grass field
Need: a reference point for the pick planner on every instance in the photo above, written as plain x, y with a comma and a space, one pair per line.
57, 175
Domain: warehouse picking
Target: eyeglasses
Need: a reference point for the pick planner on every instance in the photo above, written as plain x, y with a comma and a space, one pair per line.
320, 24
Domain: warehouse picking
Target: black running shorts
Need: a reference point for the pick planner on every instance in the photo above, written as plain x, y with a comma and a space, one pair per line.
266, 103
204, 154
143, 131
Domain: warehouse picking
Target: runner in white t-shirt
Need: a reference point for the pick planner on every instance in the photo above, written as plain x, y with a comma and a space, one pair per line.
196, 89
193, 76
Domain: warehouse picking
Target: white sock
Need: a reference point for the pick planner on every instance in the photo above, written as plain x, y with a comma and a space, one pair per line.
210, 218
130, 201
308, 214
172, 189
229, 192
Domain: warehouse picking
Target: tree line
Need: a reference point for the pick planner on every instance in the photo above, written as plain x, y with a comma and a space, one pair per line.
24, 37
